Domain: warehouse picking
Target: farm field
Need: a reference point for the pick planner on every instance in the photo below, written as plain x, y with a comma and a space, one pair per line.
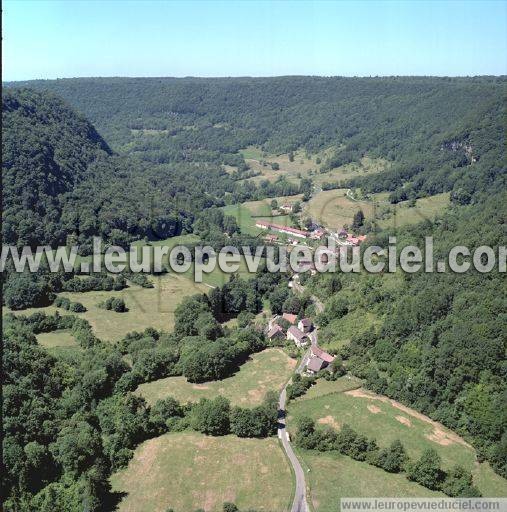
302, 165
333, 209
385, 420
248, 213
333, 476
305, 166
187, 471
264, 371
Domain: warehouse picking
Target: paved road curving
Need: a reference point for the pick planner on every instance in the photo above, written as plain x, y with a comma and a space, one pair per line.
299, 504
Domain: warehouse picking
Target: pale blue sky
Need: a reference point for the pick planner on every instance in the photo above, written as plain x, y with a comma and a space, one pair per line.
54, 39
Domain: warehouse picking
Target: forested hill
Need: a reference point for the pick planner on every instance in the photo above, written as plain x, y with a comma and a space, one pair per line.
61, 179
430, 128
47, 149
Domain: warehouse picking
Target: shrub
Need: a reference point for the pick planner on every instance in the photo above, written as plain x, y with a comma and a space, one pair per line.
114, 304
77, 307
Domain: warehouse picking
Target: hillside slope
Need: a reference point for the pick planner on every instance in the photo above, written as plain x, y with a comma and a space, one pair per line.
431, 128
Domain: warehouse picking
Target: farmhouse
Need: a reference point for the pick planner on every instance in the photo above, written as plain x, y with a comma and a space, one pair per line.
287, 207
355, 240
317, 234
305, 325
298, 337
276, 333
282, 229
271, 238
315, 365
292, 319
321, 354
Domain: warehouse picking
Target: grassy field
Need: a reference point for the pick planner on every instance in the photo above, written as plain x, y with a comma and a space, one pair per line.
385, 420
248, 213
426, 208
333, 209
324, 387
306, 166
365, 167
267, 370
59, 343
301, 166
333, 476
188, 470
148, 307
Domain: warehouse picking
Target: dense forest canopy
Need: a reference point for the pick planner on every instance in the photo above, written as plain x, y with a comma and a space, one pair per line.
432, 128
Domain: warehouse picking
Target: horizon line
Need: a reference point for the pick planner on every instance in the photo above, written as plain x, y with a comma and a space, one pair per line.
222, 77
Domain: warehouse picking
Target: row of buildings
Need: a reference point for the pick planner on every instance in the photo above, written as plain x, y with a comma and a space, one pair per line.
316, 234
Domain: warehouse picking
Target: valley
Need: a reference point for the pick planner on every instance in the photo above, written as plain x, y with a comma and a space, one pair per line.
160, 393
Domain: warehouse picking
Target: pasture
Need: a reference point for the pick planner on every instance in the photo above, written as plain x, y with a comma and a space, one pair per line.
386, 420
148, 307
302, 166
365, 167
333, 476
264, 371
334, 209
248, 213
187, 471
59, 343
426, 208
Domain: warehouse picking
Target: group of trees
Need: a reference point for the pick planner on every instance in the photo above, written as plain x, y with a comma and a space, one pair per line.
37, 289
73, 307
70, 422
439, 133
216, 417
425, 471
116, 304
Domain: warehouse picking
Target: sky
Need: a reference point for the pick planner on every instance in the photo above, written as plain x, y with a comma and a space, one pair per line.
58, 39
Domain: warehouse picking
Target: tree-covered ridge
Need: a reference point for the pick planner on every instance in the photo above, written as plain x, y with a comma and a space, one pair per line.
46, 152
61, 179
431, 128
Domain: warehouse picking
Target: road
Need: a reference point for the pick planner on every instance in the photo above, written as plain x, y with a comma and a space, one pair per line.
299, 504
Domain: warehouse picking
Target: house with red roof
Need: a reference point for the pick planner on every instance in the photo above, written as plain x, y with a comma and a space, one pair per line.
282, 229
322, 354
292, 319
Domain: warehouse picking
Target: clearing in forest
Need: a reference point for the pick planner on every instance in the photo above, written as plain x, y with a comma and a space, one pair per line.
334, 209
148, 307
